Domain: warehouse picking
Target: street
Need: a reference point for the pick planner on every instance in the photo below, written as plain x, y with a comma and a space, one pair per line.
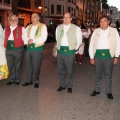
45, 103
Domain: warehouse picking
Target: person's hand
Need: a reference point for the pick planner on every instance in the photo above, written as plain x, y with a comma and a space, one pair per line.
30, 41
1, 77
83, 30
92, 61
115, 61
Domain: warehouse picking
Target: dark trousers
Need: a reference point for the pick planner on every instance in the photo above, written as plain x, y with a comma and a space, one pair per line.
86, 40
104, 67
14, 61
66, 67
33, 65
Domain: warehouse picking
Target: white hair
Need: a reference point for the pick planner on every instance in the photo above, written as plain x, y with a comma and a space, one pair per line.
13, 16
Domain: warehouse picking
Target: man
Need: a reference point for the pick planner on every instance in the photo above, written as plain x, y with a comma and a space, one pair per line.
104, 51
37, 35
68, 38
14, 36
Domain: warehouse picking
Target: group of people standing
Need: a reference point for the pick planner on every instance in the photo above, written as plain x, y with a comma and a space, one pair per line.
104, 50
15, 37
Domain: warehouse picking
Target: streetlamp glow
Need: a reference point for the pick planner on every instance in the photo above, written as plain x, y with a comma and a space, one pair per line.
39, 7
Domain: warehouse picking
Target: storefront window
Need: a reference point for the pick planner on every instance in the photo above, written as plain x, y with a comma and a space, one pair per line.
6, 1
24, 3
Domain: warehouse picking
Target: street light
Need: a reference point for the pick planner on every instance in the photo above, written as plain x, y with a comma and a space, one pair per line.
39, 7
101, 7
44, 11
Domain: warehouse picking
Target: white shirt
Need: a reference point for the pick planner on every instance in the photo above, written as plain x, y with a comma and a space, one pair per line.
1, 36
41, 39
64, 41
103, 43
103, 39
11, 37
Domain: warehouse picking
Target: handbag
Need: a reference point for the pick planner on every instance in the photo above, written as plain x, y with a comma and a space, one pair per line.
54, 52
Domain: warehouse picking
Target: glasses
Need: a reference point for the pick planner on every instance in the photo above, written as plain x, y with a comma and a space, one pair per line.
13, 20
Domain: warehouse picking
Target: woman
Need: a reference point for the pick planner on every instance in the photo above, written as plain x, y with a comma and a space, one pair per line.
3, 63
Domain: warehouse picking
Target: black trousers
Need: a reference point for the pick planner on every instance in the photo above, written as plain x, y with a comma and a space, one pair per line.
86, 40
33, 65
15, 64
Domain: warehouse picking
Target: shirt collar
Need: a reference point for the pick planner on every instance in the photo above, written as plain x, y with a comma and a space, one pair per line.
104, 30
13, 27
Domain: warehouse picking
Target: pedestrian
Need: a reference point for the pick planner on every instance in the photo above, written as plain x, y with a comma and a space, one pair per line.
14, 36
68, 38
85, 35
104, 51
3, 63
36, 37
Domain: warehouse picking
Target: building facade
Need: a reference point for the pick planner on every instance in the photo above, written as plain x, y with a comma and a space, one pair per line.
89, 10
114, 14
25, 9
54, 10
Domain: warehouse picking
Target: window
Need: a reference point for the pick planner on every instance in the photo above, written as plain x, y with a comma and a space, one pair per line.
69, 0
52, 9
68, 9
7, 1
37, 3
58, 9
24, 3
74, 12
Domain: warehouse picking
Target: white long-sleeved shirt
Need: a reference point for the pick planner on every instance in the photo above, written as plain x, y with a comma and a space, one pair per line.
64, 41
103, 42
11, 37
1, 36
39, 40
86, 33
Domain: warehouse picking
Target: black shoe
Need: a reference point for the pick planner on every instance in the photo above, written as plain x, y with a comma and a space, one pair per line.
94, 93
110, 96
26, 84
17, 83
69, 90
10, 83
36, 85
61, 88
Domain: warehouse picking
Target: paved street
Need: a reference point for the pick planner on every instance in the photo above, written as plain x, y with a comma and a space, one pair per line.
45, 103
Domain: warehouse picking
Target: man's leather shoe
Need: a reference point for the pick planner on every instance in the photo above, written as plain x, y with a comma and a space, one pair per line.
94, 93
36, 85
61, 88
26, 84
110, 96
10, 83
17, 83
69, 90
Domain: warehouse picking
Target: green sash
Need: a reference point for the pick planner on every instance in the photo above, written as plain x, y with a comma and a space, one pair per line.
10, 46
102, 53
65, 51
32, 47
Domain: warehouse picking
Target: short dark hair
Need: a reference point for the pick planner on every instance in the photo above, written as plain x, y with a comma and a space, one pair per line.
104, 17
79, 19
